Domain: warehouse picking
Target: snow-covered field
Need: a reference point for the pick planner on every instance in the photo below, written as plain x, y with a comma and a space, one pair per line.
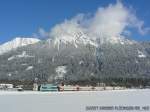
94, 101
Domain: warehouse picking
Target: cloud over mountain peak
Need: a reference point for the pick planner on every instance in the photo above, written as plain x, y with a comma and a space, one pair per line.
108, 23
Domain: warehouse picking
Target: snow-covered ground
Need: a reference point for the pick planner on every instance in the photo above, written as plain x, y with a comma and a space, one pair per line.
79, 101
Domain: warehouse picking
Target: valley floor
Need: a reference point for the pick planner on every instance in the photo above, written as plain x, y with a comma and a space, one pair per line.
78, 101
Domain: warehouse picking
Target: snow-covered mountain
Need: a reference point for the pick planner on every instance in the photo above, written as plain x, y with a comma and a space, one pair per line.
79, 57
15, 43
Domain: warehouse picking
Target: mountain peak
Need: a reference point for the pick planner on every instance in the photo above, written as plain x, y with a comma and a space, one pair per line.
17, 42
80, 38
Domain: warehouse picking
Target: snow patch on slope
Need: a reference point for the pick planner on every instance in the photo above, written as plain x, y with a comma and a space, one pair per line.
9, 74
141, 54
11, 58
15, 43
60, 72
29, 68
23, 55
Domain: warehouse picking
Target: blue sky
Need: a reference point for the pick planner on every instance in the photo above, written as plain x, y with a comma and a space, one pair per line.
25, 17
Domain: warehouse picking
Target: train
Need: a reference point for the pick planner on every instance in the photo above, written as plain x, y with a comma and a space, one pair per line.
54, 87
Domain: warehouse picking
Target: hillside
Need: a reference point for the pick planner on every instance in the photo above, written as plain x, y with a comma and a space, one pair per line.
49, 61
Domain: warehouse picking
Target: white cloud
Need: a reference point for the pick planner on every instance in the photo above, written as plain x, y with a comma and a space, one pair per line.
139, 24
109, 22
42, 34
